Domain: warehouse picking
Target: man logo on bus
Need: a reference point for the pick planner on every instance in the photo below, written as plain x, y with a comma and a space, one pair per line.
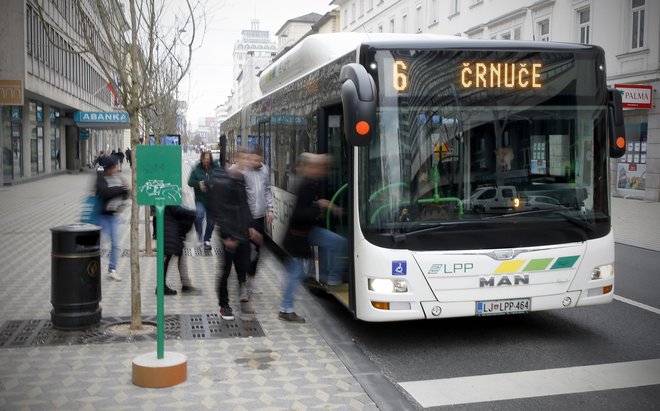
503, 280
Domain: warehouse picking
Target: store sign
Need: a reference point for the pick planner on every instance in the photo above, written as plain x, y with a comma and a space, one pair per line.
11, 92
83, 134
95, 119
636, 96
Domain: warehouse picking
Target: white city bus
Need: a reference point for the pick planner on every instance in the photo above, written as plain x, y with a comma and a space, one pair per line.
416, 124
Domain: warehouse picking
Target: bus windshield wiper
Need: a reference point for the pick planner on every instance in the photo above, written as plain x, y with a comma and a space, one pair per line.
560, 211
397, 238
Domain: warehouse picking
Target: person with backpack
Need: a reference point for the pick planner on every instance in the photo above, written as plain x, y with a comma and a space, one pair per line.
231, 211
112, 191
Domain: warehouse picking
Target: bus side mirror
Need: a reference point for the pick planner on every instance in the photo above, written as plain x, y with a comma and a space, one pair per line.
358, 98
616, 130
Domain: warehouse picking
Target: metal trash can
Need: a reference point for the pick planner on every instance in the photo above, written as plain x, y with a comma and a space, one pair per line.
75, 275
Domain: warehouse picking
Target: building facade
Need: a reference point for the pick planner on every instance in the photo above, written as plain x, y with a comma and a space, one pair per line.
42, 85
252, 53
294, 29
627, 30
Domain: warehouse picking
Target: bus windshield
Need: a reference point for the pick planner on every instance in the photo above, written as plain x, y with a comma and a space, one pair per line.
472, 140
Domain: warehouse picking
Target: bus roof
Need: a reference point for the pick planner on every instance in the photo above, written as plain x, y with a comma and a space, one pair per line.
320, 49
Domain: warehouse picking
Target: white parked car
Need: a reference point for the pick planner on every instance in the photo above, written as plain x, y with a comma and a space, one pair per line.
534, 202
491, 199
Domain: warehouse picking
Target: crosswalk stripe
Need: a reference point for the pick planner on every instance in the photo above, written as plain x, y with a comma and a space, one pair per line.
636, 304
526, 384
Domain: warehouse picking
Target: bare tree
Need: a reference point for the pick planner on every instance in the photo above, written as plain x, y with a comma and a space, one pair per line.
131, 42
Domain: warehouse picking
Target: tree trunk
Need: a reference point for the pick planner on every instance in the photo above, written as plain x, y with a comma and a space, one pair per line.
136, 296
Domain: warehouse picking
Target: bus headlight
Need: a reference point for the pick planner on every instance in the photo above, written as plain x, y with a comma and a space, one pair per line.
602, 272
386, 285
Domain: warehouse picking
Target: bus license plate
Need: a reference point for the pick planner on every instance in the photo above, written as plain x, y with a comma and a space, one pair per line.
498, 307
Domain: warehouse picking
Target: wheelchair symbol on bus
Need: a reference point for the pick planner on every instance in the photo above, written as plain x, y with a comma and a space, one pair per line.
399, 268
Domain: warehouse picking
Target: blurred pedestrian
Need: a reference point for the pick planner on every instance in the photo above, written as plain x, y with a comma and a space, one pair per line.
260, 200
199, 180
113, 192
120, 156
97, 161
303, 232
232, 213
177, 222
129, 159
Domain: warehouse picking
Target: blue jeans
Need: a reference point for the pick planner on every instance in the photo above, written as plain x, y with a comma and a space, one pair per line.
108, 225
335, 246
295, 274
199, 222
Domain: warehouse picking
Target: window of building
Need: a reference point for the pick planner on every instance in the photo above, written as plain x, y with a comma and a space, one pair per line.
28, 31
380, 28
404, 23
638, 14
353, 12
584, 25
434, 12
370, 5
455, 6
12, 143
361, 8
506, 35
345, 18
392, 25
543, 30
418, 18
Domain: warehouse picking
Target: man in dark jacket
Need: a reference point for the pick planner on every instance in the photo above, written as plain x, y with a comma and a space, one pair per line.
232, 214
303, 232
128, 156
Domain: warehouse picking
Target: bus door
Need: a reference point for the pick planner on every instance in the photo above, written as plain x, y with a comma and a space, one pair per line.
333, 143
264, 141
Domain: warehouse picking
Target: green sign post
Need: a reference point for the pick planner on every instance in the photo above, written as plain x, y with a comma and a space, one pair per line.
159, 184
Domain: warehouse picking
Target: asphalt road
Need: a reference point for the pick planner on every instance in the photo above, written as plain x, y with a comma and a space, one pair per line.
482, 346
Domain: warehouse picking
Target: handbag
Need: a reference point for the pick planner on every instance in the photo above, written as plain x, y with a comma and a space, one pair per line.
91, 208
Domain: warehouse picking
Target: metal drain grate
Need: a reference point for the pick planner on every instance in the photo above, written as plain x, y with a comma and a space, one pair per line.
29, 333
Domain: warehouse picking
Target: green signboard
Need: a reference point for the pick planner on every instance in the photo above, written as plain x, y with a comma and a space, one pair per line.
158, 174
159, 184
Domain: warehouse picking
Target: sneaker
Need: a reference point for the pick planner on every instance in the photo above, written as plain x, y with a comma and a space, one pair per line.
167, 291
226, 313
290, 317
189, 289
207, 245
112, 275
253, 287
243, 294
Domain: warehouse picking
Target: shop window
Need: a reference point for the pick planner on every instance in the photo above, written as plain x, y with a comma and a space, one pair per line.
631, 169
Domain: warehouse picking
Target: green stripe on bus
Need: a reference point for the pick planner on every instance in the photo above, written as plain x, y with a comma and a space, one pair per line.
538, 265
564, 262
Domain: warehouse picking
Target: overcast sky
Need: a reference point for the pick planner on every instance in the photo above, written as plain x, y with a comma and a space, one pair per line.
210, 79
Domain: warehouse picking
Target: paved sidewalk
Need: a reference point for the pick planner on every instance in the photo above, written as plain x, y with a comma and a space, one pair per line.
290, 368
636, 223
